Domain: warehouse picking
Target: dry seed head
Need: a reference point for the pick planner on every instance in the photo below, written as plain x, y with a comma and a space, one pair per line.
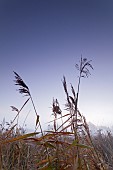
14, 109
83, 67
56, 108
23, 87
65, 85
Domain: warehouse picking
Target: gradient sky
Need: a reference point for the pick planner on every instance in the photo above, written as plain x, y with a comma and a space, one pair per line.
42, 40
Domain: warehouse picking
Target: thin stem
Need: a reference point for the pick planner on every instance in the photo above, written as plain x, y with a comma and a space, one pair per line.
40, 127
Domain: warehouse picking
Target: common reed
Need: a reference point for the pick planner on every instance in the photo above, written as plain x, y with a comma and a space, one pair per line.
66, 146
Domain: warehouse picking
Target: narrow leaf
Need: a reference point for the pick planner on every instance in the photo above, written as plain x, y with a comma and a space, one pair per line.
19, 138
37, 120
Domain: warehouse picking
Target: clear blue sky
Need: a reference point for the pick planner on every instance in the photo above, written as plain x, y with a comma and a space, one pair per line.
42, 40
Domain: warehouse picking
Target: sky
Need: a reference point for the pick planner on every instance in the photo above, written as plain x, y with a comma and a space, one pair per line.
42, 40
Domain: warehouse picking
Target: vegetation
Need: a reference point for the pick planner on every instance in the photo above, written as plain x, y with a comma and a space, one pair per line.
67, 146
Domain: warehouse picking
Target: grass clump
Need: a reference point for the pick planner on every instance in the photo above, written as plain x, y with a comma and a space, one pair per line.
67, 146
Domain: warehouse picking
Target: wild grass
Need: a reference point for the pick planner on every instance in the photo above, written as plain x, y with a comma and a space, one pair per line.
67, 146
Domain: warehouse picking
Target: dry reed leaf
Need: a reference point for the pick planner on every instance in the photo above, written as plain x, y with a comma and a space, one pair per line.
19, 138
68, 114
73, 91
73, 100
37, 120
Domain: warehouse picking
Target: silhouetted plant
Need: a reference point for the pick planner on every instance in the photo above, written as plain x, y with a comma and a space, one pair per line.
68, 146
23, 89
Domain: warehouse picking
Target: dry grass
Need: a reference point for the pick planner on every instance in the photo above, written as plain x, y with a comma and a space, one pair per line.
68, 146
